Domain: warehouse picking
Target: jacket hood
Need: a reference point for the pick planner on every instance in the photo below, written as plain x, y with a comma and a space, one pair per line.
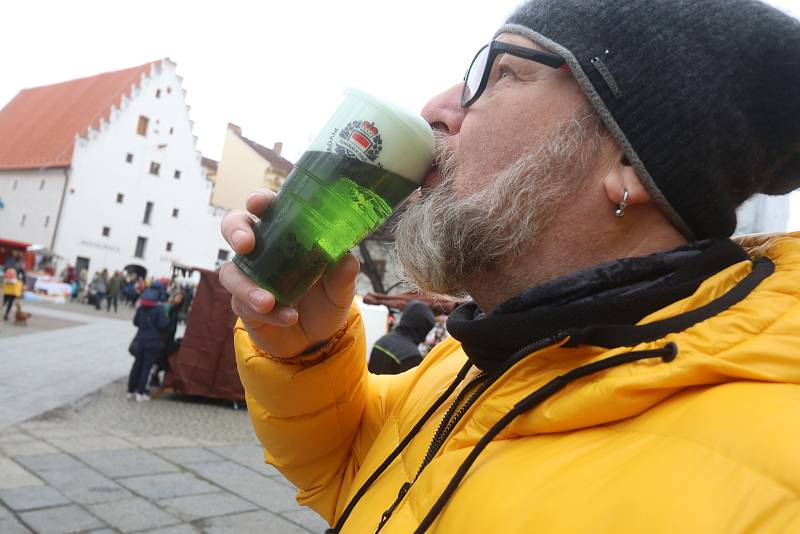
416, 321
755, 339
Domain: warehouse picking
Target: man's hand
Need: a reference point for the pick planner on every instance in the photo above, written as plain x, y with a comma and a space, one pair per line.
279, 330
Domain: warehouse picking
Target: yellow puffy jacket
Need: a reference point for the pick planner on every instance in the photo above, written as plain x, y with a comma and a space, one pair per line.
13, 288
706, 442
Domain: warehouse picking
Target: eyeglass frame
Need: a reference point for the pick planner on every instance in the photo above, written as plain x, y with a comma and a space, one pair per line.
499, 47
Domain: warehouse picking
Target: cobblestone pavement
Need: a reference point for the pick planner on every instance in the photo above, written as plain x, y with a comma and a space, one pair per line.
97, 462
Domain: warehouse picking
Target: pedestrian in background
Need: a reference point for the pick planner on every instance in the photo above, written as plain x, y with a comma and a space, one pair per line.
97, 290
151, 321
398, 351
114, 287
12, 289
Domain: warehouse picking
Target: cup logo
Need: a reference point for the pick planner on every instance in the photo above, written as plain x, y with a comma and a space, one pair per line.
360, 140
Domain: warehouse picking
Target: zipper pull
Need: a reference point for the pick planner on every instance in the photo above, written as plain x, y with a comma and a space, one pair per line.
388, 513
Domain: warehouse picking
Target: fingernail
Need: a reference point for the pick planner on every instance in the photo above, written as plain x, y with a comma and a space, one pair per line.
257, 297
286, 315
238, 237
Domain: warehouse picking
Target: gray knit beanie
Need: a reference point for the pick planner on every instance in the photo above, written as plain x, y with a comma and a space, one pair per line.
703, 96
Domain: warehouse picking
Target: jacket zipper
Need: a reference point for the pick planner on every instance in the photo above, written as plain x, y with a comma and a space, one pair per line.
452, 417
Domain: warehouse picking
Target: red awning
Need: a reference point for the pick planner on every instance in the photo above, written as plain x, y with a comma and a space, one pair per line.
14, 244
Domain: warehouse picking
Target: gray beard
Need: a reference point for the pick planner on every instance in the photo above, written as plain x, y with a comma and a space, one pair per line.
444, 240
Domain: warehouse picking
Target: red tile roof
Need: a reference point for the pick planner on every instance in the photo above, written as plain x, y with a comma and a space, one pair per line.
38, 127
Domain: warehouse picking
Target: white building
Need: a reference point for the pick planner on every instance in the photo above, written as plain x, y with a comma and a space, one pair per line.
104, 172
763, 214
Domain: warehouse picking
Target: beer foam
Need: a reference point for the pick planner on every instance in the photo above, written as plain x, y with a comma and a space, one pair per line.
379, 133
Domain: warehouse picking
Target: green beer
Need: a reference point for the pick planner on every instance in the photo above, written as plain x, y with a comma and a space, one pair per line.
340, 191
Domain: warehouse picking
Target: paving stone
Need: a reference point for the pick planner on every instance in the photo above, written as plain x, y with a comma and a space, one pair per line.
208, 505
158, 487
49, 462
307, 518
66, 431
262, 522
14, 437
255, 487
102, 531
124, 463
60, 520
188, 455
26, 448
14, 476
132, 514
160, 442
183, 528
84, 485
90, 443
251, 456
31, 498
9, 525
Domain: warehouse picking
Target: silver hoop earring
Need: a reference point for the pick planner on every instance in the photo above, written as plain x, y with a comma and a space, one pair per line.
622, 205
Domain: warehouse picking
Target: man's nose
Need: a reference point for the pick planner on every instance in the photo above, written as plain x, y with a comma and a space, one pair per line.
444, 112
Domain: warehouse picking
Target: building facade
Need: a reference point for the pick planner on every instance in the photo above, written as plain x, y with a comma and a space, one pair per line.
122, 184
246, 166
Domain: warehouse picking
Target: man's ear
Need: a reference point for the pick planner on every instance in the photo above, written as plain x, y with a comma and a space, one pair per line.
622, 176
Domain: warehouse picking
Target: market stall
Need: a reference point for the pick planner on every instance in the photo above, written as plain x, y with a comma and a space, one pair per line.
205, 363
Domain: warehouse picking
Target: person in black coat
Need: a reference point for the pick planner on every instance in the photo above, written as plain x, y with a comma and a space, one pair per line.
397, 351
151, 320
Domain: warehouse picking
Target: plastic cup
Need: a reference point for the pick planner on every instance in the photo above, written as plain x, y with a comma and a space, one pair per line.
365, 162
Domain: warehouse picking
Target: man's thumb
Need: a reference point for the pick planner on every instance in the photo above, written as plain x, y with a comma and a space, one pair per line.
340, 281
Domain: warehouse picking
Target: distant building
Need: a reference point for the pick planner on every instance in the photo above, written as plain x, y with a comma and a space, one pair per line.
246, 166
210, 167
104, 172
763, 214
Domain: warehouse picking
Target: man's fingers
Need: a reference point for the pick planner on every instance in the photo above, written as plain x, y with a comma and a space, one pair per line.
280, 316
258, 201
241, 287
238, 232
339, 281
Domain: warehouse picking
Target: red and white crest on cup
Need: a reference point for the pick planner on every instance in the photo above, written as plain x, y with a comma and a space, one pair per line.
360, 139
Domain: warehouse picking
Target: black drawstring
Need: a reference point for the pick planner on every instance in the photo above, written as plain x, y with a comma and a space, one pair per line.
446, 426
452, 417
402, 445
666, 353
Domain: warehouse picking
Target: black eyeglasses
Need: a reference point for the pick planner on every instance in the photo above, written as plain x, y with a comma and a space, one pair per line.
477, 75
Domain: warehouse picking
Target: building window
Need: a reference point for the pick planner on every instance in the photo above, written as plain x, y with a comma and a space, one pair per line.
169, 246
14, 187
141, 244
106, 231
171, 130
128, 157
177, 173
158, 93
148, 211
169, 89
22, 222
41, 185
222, 255
141, 128
46, 221
175, 212
155, 168
120, 198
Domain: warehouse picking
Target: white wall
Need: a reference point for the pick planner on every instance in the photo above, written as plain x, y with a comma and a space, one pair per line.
100, 172
35, 196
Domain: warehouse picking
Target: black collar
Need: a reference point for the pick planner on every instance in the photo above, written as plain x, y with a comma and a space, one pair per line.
600, 305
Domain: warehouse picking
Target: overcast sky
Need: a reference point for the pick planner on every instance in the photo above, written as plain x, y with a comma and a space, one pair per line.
277, 69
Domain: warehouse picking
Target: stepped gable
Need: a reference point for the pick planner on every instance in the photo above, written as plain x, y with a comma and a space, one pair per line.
38, 127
